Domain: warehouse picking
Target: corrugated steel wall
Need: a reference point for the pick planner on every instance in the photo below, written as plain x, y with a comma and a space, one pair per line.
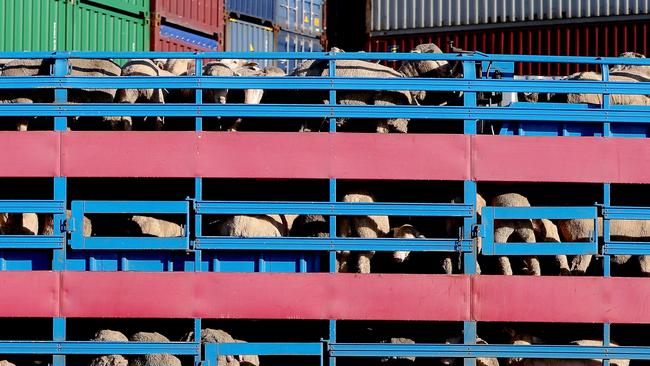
391, 15
590, 39
293, 42
44, 25
300, 16
204, 16
170, 39
260, 9
248, 37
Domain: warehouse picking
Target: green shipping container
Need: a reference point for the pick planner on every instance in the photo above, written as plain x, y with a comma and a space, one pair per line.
74, 25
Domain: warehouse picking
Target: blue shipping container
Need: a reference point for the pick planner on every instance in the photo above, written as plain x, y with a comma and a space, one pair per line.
260, 9
247, 37
300, 16
292, 42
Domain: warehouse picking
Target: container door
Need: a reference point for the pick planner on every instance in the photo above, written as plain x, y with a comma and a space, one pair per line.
38, 25
99, 29
136, 7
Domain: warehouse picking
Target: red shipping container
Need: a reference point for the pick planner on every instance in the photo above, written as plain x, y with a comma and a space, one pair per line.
205, 16
605, 39
169, 39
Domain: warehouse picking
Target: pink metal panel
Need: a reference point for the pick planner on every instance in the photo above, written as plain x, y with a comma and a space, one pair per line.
29, 294
563, 159
265, 296
129, 154
29, 154
560, 299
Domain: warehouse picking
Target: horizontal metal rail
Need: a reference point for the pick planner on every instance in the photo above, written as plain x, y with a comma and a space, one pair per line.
490, 215
625, 247
266, 349
323, 244
573, 113
32, 242
97, 348
488, 350
333, 208
476, 56
32, 206
141, 207
327, 83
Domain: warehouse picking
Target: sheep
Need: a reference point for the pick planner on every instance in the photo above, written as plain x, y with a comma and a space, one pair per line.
362, 227
6, 363
219, 336
310, 226
547, 232
19, 223
404, 232
156, 227
395, 358
107, 335
581, 230
480, 361
161, 359
564, 362
517, 230
253, 225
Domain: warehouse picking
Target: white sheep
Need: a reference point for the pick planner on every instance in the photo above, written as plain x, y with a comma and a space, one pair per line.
107, 335
19, 223
581, 230
404, 232
563, 362
6, 363
157, 227
254, 225
362, 227
396, 358
220, 336
159, 359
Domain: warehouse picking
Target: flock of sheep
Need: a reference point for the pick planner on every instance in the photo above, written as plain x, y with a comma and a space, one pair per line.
529, 231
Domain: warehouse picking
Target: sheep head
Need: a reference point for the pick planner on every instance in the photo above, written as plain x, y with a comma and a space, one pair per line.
404, 232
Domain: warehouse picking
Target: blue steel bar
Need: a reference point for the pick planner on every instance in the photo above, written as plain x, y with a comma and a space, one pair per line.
267, 349
333, 208
96, 348
540, 112
32, 206
626, 213
128, 243
327, 83
117, 207
538, 212
31, 242
488, 350
321, 244
371, 56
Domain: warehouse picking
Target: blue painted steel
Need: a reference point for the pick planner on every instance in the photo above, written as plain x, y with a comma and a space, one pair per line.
300, 16
32, 206
333, 208
294, 42
490, 214
97, 348
120, 260
81, 208
190, 38
260, 9
265, 349
55, 241
322, 244
624, 247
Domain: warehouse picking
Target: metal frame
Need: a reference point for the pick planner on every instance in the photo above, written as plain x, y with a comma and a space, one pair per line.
470, 113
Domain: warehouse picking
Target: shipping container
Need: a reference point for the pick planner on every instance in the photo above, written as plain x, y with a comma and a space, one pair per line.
204, 16
47, 25
248, 37
607, 39
292, 42
399, 15
170, 39
259, 9
300, 16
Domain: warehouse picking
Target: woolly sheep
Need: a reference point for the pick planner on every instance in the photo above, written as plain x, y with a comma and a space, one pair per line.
160, 359
581, 230
156, 227
519, 230
564, 362
310, 226
220, 336
6, 363
107, 335
19, 223
480, 361
404, 232
254, 225
547, 232
362, 227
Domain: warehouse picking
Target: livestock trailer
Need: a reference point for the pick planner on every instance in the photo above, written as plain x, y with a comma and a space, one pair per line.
61, 286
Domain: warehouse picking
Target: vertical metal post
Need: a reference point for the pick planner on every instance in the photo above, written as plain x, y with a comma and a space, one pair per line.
58, 334
198, 121
60, 95
469, 197
332, 198
469, 98
198, 196
606, 101
607, 201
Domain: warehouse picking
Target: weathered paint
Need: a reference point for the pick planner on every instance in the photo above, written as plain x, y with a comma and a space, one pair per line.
260, 9
171, 39
205, 16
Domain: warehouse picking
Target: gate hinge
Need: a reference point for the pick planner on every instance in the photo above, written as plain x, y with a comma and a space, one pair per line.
67, 225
